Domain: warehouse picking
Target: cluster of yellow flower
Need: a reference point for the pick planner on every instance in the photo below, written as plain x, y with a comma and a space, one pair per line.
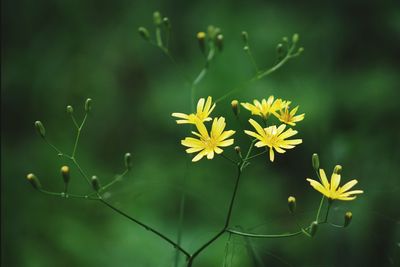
273, 137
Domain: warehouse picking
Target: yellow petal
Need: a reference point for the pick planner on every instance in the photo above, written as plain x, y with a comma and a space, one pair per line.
180, 115
271, 155
317, 186
199, 156
348, 186
324, 180
335, 181
258, 127
202, 129
200, 105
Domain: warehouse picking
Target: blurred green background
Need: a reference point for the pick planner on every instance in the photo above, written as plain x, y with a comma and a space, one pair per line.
56, 53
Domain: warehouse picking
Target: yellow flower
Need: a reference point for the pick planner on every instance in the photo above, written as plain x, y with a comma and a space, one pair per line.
273, 137
207, 144
202, 113
265, 107
288, 117
332, 190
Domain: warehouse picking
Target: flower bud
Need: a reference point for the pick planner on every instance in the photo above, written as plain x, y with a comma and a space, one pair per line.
292, 204
337, 169
65, 174
128, 161
40, 128
88, 105
201, 38
285, 39
235, 107
70, 109
237, 149
315, 161
300, 50
95, 183
219, 41
166, 22
34, 181
246, 48
313, 228
295, 38
144, 33
157, 18
347, 218
245, 37
279, 49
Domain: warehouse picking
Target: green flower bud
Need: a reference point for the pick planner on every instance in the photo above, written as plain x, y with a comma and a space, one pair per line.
144, 33
166, 22
128, 161
295, 38
245, 37
40, 128
279, 49
65, 174
246, 48
315, 161
219, 41
157, 18
300, 50
70, 109
34, 181
292, 204
213, 31
95, 183
235, 107
337, 169
313, 228
285, 39
347, 218
88, 105
237, 149
201, 38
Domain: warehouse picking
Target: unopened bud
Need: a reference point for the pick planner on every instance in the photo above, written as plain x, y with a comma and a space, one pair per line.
337, 169
246, 48
65, 174
315, 161
300, 50
292, 204
157, 18
313, 228
237, 149
88, 105
166, 22
219, 41
128, 161
279, 49
144, 33
295, 38
70, 109
285, 39
34, 181
201, 38
40, 128
95, 183
235, 107
347, 218
245, 37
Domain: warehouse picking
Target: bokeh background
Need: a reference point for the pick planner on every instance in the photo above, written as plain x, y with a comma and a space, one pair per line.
56, 53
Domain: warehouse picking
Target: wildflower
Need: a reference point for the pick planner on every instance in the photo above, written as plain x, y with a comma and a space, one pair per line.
265, 107
332, 190
288, 117
202, 113
273, 137
207, 144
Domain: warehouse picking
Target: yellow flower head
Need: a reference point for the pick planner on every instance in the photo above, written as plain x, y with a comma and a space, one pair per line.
332, 190
273, 137
265, 107
203, 112
207, 144
286, 116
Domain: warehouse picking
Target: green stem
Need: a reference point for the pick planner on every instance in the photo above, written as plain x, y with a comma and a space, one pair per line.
145, 226
256, 155
319, 209
263, 236
327, 210
78, 134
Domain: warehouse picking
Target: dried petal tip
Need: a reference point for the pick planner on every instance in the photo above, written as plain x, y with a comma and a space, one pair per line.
95, 183
40, 128
337, 169
315, 161
128, 161
65, 174
88, 105
144, 33
292, 204
70, 109
34, 181
313, 228
235, 107
347, 218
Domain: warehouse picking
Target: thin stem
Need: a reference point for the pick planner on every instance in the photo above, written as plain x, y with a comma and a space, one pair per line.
74, 121
253, 61
327, 211
158, 38
319, 209
256, 155
263, 236
53, 146
145, 226
64, 195
229, 159
81, 171
78, 134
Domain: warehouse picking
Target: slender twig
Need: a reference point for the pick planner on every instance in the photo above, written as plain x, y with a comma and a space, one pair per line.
263, 236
